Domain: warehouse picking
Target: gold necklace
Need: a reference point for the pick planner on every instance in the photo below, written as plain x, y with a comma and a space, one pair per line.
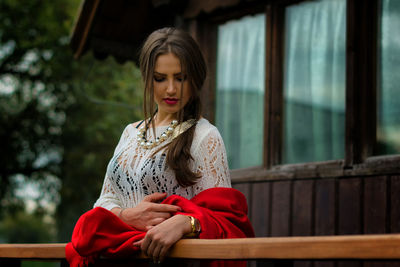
173, 130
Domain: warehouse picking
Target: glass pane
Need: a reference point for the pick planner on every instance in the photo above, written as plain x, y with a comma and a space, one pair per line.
240, 89
314, 81
388, 130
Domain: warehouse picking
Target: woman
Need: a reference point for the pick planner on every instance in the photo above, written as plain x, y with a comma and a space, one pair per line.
174, 156
188, 156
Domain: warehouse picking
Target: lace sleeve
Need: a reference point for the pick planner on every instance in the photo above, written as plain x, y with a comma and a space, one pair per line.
211, 162
108, 198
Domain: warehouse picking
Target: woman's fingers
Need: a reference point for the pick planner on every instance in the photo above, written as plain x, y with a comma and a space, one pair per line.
160, 238
165, 208
145, 244
156, 252
156, 221
138, 243
151, 247
155, 197
163, 253
161, 214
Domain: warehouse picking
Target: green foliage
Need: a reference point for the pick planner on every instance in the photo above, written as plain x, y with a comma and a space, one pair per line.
59, 117
23, 227
32, 94
89, 140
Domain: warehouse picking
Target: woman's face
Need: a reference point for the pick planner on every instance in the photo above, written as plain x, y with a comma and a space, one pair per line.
167, 81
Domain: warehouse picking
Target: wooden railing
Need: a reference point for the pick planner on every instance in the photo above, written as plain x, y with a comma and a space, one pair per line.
363, 247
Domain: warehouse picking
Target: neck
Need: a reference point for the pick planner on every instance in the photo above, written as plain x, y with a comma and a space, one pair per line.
164, 118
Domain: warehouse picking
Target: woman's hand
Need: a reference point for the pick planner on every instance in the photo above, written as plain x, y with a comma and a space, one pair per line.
148, 212
161, 237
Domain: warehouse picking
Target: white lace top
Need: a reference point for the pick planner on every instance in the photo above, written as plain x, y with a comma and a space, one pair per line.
133, 173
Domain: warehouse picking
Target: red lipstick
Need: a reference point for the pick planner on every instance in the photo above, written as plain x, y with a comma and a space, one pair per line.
170, 101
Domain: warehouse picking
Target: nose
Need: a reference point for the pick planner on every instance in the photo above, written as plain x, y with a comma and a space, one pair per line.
171, 90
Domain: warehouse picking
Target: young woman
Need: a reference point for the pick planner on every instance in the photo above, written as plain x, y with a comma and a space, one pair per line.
173, 151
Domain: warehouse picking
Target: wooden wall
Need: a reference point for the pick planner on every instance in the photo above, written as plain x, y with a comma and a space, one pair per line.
329, 206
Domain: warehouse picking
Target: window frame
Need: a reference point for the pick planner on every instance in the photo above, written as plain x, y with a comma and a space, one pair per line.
361, 90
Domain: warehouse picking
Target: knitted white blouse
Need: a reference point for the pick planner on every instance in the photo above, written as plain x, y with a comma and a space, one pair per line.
133, 173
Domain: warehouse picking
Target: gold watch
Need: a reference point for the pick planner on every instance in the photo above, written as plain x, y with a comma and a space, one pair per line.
196, 227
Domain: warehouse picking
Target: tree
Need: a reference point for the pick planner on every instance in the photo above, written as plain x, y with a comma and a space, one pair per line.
33, 93
25, 227
59, 118
91, 133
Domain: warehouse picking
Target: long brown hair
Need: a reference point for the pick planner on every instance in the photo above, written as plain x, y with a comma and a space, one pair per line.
182, 45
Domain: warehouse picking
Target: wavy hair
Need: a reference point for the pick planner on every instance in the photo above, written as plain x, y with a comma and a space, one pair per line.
184, 47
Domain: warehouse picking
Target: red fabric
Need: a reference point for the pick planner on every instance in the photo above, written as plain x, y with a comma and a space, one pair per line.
222, 213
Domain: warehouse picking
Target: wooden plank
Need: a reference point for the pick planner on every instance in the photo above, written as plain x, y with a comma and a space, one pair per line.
268, 153
325, 207
193, 9
379, 165
260, 208
302, 208
315, 247
208, 41
274, 92
361, 50
349, 206
386, 246
302, 204
280, 209
83, 26
246, 190
393, 208
325, 210
33, 251
395, 204
375, 205
349, 211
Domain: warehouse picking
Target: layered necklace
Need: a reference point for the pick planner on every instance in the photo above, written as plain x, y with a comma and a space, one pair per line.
173, 131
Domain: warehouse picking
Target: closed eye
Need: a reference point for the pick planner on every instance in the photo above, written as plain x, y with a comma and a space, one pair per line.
181, 78
159, 79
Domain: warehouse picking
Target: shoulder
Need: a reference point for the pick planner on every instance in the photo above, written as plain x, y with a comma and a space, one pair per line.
204, 127
204, 132
135, 124
130, 129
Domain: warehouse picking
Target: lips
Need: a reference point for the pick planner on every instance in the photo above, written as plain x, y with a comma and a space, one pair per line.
171, 101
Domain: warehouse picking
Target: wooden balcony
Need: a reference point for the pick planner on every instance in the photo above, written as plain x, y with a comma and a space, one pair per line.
278, 251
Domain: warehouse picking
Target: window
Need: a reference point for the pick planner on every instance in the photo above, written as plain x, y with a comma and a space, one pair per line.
307, 82
388, 117
314, 81
240, 89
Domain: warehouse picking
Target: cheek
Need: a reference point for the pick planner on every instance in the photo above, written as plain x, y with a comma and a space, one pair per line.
187, 93
157, 92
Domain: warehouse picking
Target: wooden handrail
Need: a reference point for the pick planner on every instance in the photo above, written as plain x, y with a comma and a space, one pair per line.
33, 251
386, 246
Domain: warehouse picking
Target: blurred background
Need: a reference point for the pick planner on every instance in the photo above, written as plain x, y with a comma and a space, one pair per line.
60, 120
310, 117
329, 99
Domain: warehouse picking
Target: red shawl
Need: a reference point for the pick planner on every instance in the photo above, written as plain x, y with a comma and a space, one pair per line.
222, 213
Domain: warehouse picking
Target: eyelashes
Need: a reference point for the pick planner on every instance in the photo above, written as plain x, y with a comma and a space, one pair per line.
162, 79
158, 79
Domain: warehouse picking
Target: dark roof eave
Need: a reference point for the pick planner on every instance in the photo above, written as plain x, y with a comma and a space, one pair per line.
82, 27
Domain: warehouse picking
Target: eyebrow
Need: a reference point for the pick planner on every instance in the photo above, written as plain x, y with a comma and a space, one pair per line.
162, 74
